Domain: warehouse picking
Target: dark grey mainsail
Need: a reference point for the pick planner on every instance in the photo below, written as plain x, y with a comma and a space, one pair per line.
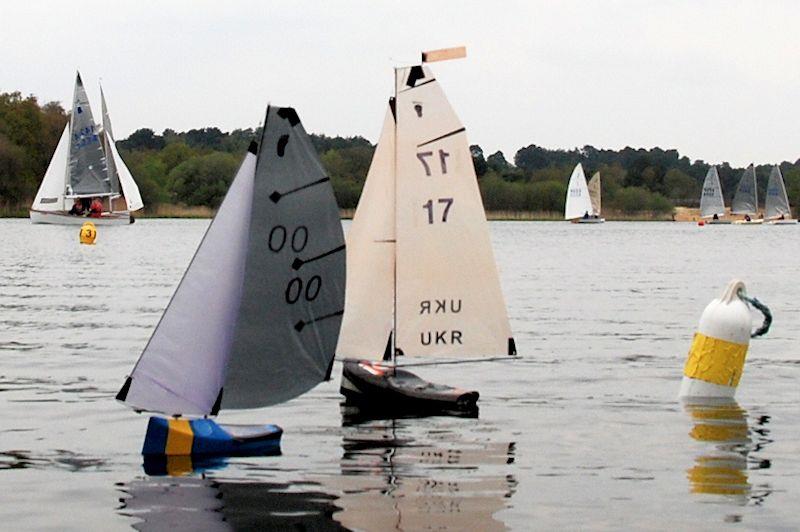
255, 319
293, 291
88, 174
745, 201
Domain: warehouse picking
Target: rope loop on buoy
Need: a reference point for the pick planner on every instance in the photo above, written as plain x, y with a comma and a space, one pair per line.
761, 307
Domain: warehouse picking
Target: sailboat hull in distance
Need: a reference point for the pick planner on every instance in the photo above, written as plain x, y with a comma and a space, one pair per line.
368, 384
62, 218
589, 221
204, 437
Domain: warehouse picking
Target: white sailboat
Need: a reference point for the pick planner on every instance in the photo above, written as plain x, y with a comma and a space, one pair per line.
581, 206
85, 166
776, 206
422, 276
745, 201
712, 204
255, 319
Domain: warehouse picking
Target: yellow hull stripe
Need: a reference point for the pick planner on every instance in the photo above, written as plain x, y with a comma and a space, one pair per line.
179, 438
715, 361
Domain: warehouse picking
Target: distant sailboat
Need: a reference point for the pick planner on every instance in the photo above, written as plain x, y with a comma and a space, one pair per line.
422, 276
255, 319
776, 207
582, 206
712, 205
86, 165
745, 201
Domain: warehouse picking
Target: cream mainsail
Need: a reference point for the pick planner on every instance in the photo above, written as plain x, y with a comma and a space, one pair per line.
369, 303
594, 192
445, 287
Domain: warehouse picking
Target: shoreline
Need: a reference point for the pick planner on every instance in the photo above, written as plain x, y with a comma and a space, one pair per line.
681, 214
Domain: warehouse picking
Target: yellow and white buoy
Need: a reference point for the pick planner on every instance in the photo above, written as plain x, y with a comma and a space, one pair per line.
88, 233
716, 358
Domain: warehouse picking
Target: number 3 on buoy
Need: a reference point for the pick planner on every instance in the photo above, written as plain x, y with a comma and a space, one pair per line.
88, 233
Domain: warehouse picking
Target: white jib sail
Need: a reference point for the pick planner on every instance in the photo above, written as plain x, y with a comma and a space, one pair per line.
777, 202
369, 300
448, 295
745, 201
594, 192
129, 188
578, 200
182, 369
711, 201
50, 196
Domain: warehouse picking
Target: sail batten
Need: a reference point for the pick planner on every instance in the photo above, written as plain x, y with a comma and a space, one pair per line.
711, 201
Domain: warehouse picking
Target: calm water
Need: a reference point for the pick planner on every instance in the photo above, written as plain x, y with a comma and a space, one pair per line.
584, 432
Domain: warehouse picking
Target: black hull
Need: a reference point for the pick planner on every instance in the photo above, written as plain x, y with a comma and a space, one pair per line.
387, 390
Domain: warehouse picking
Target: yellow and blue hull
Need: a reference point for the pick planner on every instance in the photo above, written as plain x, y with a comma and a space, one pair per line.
204, 437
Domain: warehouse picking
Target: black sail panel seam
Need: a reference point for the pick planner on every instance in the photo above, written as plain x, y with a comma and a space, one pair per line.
456, 132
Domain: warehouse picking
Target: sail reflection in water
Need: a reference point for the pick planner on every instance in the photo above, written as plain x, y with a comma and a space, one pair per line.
203, 504
393, 478
722, 469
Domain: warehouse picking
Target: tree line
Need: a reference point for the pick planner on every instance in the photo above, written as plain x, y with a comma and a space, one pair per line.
195, 167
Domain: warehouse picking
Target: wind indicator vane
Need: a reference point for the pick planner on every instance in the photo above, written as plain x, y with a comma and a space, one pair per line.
444, 54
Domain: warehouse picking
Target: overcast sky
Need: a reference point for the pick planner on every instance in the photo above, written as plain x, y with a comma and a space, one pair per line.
718, 80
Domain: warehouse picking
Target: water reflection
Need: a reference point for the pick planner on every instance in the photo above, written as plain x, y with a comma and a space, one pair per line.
405, 474
723, 468
204, 504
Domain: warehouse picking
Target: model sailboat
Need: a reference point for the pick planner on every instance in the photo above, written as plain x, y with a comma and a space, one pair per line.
422, 276
86, 166
776, 206
712, 205
581, 205
255, 319
745, 201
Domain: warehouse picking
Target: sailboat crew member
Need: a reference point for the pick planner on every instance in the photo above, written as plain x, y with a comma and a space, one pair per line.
77, 208
96, 208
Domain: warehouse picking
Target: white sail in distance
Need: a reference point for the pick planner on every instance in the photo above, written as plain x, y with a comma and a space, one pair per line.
777, 202
369, 303
448, 296
745, 201
711, 201
579, 201
50, 196
594, 193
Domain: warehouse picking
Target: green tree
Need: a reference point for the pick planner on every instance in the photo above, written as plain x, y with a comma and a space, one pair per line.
203, 180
